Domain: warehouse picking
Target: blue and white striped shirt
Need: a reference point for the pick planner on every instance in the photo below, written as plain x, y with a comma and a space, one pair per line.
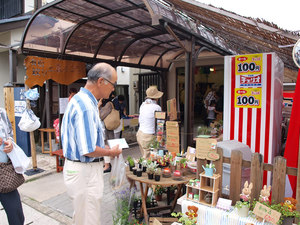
81, 129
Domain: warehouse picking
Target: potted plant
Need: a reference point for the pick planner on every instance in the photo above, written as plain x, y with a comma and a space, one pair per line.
139, 172
144, 165
185, 220
183, 166
288, 213
158, 191
130, 162
242, 208
140, 162
151, 169
157, 174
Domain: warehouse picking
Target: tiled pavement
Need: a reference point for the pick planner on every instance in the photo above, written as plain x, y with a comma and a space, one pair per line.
44, 197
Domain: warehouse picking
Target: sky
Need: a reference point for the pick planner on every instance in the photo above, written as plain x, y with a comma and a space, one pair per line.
285, 14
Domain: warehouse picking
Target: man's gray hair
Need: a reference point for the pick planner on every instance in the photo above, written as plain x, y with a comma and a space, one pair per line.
100, 70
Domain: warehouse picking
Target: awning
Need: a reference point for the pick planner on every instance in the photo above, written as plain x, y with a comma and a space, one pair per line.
144, 34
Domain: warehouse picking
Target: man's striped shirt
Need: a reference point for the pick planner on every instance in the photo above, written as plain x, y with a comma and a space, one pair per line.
81, 129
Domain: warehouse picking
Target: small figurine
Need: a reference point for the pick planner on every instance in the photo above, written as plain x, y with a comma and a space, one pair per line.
290, 203
192, 212
265, 194
246, 192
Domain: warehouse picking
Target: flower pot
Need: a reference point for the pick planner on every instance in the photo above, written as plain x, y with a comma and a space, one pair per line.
130, 168
140, 165
139, 173
134, 171
150, 176
287, 220
157, 177
158, 197
243, 212
209, 171
144, 168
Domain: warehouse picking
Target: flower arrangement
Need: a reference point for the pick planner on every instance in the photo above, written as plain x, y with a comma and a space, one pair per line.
183, 162
240, 204
184, 220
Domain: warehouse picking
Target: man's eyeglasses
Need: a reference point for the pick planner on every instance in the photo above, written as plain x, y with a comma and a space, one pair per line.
113, 84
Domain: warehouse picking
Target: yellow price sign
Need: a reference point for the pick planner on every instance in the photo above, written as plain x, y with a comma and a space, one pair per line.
248, 64
247, 97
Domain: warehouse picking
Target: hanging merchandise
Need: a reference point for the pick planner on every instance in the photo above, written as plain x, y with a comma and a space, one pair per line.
32, 94
29, 122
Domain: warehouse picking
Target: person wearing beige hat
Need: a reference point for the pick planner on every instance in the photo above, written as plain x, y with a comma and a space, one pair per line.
146, 130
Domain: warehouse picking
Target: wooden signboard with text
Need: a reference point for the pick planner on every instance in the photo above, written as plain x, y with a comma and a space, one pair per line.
172, 128
266, 213
206, 148
171, 106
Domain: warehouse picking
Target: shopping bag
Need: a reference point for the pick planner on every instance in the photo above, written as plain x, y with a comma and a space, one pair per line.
118, 172
19, 159
29, 122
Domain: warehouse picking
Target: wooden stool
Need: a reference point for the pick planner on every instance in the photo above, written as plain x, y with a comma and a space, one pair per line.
49, 131
59, 156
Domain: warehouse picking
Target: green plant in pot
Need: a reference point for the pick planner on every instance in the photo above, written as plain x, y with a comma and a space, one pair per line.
288, 214
140, 162
130, 162
158, 191
151, 169
157, 174
183, 219
242, 208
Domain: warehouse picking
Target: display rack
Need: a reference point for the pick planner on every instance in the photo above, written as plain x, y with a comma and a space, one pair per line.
207, 192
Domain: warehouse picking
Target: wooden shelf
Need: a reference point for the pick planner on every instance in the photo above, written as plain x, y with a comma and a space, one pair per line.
209, 188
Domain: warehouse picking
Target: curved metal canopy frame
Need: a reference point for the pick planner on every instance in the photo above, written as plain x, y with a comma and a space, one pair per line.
87, 35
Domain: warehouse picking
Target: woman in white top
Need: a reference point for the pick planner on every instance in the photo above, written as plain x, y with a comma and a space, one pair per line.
146, 130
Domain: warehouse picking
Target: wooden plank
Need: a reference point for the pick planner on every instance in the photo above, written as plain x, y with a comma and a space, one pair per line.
235, 175
200, 163
10, 108
278, 184
298, 184
256, 176
219, 167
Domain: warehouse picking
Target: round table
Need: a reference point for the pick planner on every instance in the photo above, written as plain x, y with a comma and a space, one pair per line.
165, 182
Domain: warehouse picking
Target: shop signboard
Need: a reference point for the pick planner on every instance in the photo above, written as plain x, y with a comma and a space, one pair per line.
172, 130
253, 102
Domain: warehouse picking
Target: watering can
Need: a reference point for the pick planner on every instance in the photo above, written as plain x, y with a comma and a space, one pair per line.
209, 171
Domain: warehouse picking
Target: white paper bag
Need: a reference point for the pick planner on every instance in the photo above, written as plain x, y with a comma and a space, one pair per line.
19, 159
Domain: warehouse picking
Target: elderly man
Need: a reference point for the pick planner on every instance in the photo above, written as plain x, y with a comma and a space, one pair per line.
83, 145
147, 120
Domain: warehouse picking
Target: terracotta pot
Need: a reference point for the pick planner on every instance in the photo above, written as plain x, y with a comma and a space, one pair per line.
158, 197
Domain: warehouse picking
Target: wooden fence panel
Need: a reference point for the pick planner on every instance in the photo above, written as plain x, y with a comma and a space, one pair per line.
256, 176
219, 168
235, 175
278, 183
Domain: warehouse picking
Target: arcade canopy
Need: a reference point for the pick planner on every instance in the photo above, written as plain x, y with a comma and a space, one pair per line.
136, 33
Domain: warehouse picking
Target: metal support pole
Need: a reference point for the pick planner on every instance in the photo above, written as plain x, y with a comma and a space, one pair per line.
12, 66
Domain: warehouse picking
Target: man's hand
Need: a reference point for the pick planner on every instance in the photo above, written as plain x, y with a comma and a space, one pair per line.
8, 146
115, 151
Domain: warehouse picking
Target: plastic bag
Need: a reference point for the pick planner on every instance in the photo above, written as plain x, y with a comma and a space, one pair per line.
29, 122
32, 94
19, 159
118, 172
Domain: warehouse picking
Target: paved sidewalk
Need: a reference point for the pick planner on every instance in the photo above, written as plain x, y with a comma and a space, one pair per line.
44, 197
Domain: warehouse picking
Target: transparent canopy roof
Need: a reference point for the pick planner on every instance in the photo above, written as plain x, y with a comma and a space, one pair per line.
120, 32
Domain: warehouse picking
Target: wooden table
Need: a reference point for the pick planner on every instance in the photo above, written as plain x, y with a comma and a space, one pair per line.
49, 131
165, 182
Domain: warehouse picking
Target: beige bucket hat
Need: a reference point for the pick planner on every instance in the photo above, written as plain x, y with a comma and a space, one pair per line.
152, 92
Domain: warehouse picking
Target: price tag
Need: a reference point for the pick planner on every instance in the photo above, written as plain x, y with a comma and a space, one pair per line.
248, 97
